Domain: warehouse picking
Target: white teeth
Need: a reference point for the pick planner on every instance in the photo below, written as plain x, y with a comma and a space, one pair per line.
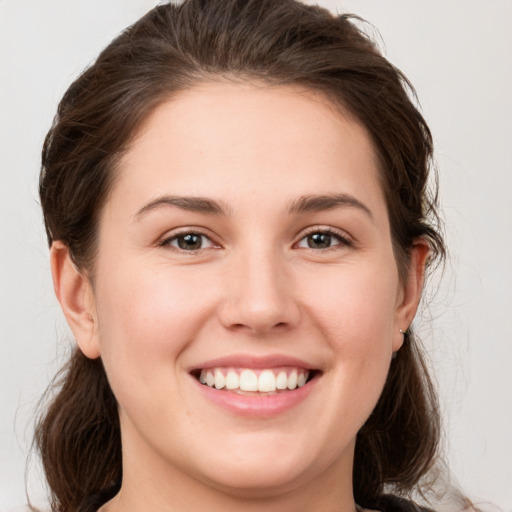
232, 380
267, 381
220, 381
282, 381
292, 380
248, 381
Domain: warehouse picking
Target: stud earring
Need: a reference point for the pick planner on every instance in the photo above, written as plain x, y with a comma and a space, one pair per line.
403, 332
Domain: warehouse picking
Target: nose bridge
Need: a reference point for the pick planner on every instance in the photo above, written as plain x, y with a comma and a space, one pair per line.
260, 296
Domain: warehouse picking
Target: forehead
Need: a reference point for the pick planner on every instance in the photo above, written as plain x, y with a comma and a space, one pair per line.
233, 141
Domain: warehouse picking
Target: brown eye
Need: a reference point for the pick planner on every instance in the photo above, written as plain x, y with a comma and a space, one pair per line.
319, 240
324, 239
189, 242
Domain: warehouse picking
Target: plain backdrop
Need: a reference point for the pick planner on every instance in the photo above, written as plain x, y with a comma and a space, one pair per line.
457, 53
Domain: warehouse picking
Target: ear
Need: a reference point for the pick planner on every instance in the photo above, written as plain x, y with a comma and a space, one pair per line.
410, 291
75, 294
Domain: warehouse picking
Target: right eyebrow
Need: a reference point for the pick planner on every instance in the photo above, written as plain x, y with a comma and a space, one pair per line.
195, 204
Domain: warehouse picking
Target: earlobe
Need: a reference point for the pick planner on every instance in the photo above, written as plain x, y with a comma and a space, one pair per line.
410, 296
74, 292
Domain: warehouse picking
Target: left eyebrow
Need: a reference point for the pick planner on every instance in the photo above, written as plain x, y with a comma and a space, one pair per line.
318, 203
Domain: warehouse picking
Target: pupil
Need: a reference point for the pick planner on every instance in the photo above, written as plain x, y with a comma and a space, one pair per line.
190, 241
319, 241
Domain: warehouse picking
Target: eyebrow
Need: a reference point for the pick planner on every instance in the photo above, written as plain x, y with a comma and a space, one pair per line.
318, 203
304, 204
194, 204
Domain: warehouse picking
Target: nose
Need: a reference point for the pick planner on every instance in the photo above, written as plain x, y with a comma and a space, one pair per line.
259, 295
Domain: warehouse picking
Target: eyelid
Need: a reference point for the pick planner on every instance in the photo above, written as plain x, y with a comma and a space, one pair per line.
343, 236
345, 239
165, 240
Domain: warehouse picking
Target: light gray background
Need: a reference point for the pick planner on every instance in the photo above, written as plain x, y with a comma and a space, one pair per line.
458, 54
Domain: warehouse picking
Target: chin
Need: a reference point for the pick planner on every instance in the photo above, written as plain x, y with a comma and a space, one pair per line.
258, 479
270, 465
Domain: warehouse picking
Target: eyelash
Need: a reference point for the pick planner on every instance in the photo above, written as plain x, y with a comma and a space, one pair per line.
167, 242
342, 238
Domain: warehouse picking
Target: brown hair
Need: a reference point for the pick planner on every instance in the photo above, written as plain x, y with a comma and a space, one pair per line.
170, 49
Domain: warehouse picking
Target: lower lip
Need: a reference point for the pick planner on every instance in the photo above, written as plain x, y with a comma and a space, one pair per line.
257, 406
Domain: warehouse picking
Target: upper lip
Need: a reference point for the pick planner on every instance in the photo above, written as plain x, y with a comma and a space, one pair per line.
255, 362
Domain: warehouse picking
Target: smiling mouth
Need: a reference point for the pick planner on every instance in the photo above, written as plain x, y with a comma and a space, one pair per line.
254, 382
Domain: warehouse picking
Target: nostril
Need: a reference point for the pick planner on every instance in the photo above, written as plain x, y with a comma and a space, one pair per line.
239, 327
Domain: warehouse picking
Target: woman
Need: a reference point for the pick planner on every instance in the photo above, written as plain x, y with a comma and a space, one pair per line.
235, 197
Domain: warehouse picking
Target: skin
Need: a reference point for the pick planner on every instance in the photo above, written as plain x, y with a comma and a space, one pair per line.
255, 287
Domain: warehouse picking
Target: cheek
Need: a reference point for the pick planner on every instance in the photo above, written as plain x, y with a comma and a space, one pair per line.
146, 317
354, 310
355, 305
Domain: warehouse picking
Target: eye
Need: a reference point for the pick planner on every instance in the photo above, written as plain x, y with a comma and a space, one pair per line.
189, 242
323, 239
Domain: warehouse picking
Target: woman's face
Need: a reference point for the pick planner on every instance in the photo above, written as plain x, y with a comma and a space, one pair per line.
246, 245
